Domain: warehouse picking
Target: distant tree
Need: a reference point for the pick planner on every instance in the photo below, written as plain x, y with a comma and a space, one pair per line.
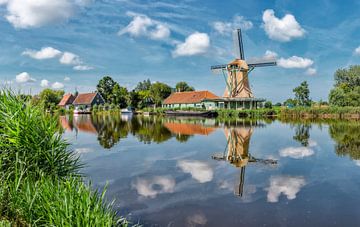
105, 87
268, 104
143, 86
290, 102
302, 93
183, 86
159, 91
48, 98
119, 95
346, 91
133, 99
277, 104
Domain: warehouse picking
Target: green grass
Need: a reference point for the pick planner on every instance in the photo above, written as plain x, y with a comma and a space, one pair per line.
40, 180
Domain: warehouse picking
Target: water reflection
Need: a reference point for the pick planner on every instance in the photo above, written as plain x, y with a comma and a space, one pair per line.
237, 153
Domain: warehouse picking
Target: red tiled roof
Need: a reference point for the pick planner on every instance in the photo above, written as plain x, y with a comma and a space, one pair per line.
189, 97
67, 99
84, 99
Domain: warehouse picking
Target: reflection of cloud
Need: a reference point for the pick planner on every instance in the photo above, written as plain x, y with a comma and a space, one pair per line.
83, 150
200, 171
296, 152
196, 219
154, 186
312, 143
357, 162
286, 185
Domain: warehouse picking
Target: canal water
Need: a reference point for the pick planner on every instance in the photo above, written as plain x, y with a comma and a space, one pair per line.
205, 172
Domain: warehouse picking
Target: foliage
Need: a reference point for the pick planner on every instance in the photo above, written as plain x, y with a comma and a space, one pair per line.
105, 88
302, 93
119, 95
346, 91
159, 91
40, 182
268, 104
290, 102
143, 86
183, 86
48, 98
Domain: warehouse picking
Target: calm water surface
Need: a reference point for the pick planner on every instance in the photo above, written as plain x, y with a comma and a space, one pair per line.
202, 172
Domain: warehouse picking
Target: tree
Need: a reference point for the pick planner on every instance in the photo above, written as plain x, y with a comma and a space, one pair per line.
119, 95
346, 91
159, 91
183, 86
49, 98
143, 86
290, 103
268, 104
133, 99
105, 87
302, 93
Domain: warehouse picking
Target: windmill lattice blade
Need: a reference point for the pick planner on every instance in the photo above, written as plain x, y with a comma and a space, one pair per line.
238, 44
262, 63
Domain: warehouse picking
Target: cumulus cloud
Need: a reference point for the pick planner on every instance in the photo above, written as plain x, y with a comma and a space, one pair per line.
226, 28
196, 43
82, 67
287, 185
37, 13
44, 83
357, 51
142, 25
44, 53
311, 71
284, 29
24, 77
69, 58
200, 171
296, 152
295, 62
153, 186
57, 85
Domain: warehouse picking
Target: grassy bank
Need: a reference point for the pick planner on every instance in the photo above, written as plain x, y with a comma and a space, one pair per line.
328, 112
40, 180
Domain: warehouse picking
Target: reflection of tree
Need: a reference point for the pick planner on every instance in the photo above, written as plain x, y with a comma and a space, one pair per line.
347, 138
110, 129
302, 134
182, 138
149, 130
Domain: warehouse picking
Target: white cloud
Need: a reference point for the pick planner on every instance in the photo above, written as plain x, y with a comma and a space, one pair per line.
357, 51
2, 2
44, 83
82, 67
295, 62
57, 85
142, 25
196, 43
66, 78
311, 71
24, 77
226, 28
296, 152
44, 53
36, 13
200, 171
69, 58
284, 29
287, 185
146, 187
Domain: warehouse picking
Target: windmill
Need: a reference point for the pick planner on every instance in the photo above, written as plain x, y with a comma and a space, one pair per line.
236, 72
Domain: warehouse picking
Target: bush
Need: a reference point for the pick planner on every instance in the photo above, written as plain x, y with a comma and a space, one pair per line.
268, 105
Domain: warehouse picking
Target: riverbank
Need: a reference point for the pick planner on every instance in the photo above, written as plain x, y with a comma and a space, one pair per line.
328, 112
41, 183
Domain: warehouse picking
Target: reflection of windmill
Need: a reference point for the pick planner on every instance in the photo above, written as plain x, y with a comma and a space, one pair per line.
237, 152
236, 75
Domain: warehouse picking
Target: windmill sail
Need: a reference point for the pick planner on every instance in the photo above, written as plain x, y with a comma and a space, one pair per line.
238, 44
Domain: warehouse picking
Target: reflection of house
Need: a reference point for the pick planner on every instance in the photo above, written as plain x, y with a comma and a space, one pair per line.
196, 99
65, 123
84, 124
84, 101
66, 101
188, 129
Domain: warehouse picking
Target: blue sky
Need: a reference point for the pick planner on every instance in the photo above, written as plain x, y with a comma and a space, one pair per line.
73, 43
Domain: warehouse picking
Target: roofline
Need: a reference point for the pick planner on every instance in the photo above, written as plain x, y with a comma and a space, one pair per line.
91, 99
